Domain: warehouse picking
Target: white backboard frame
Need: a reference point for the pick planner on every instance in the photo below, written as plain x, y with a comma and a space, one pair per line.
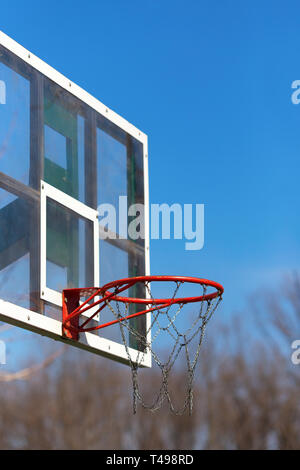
48, 191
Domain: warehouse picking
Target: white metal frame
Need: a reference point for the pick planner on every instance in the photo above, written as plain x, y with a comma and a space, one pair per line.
36, 322
45, 326
48, 191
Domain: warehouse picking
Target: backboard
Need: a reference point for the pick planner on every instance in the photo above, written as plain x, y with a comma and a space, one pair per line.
65, 160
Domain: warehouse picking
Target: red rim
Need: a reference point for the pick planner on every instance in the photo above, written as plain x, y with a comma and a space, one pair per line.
129, 282
71, 326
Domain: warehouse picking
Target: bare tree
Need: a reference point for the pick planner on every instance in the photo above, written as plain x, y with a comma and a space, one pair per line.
246, 392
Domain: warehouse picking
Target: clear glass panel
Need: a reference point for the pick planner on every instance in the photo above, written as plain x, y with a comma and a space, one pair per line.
69, 248
120, 172
112, 169
52, 311
116, 263
113, 265
64, 142
14, 124
15, 235
81, 155
113, 262
55, 147
6, 198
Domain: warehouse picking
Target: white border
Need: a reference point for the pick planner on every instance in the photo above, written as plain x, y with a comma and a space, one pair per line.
147, 232
23, 318
36, 322
48, 191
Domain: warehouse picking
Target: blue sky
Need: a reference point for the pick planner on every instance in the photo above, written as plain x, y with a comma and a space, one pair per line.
210, 83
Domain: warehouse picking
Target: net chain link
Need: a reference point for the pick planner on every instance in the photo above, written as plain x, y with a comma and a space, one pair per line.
181, 341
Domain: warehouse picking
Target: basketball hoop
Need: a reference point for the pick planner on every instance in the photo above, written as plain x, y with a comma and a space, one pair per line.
77, 302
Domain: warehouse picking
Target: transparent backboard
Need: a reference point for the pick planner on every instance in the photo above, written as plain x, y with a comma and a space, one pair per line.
63, 156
